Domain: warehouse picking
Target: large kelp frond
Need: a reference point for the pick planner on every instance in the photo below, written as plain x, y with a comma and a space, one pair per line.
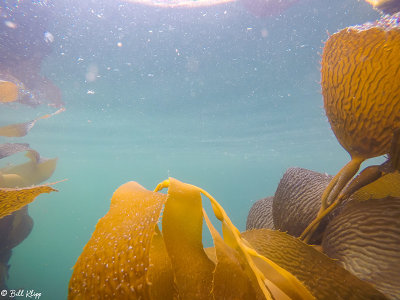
278, 276
115, 262
320, 274
182, 230
13, 199
21, 129
128, 257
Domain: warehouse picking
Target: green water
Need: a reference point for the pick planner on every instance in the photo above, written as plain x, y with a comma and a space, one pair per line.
214, 97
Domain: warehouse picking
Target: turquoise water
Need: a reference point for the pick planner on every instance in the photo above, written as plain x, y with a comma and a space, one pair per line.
214, 96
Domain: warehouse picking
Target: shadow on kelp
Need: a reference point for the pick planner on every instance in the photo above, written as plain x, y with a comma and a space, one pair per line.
25, 42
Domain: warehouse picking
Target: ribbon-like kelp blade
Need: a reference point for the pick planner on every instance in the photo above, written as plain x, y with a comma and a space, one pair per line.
231, 281
21, 129
14, 199
115, 261
182, 231
266, 269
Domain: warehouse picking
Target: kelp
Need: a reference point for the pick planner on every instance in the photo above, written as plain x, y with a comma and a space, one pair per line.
21, 129
8, 91
359, 79
35, 171
14, 199
129, 257
9, 149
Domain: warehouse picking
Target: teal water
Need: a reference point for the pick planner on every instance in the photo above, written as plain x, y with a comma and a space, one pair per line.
214, 97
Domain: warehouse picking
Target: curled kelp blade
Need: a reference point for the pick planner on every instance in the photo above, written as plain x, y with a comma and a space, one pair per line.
272, 272
14, 199
9, 149
8, 91
35, 171
322, 276
21, 129
243, 285
115, 262
182, 231
260, 214
365, 239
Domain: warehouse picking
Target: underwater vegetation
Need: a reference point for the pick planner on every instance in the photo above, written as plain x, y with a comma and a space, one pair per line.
318, 237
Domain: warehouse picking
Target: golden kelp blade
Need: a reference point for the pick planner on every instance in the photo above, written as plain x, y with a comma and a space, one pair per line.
8, 91
160, 273
278, 276
32, 172
243, 285
14, 199
182, 231
115, 262
21, 129
321, 275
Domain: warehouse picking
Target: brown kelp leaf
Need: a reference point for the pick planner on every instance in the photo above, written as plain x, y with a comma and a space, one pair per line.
115, 261
242, 285
260, 214
321, 275
297, 201
365, 239
9, 149
8, 91
13, 199
21, 129
32, 172
182, 231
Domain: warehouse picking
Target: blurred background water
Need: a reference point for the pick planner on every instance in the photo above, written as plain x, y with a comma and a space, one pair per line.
214, 96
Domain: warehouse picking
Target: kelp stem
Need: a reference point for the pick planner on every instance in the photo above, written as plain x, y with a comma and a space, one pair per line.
331, 192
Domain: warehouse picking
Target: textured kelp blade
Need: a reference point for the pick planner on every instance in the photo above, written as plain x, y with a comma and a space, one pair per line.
387, 185
320, 274
267, 270
21, 129
9, 149
8, 91
160, 273
182, 232
231, 281
32, 172
114, 263
13, 199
